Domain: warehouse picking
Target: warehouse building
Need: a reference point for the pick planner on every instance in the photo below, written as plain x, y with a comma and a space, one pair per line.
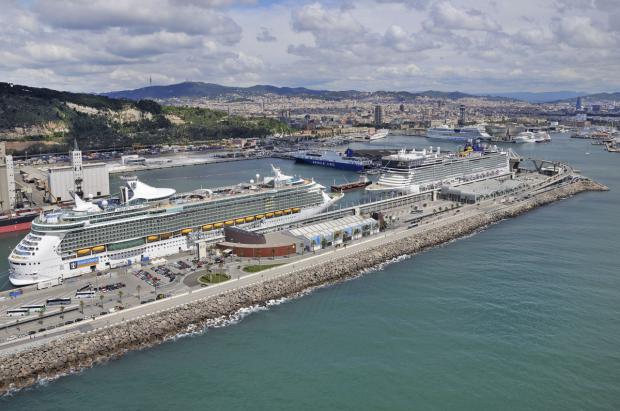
335, 232
61, 182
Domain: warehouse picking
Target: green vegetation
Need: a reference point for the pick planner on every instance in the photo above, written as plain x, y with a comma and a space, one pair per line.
213, 278
103, 122
257, 268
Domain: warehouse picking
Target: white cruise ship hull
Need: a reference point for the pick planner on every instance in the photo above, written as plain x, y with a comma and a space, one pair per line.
50, 265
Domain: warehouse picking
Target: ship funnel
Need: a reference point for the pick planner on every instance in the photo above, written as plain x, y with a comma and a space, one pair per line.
438, 150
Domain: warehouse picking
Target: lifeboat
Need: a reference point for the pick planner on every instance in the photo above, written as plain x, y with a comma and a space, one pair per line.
99, 249
287, 211
152, 238
218, 225
240, 221
83, 251
260, 216
186, 231
207, 227
278, 213
249, 219
296, 210
229, 222
269, 215
165, 236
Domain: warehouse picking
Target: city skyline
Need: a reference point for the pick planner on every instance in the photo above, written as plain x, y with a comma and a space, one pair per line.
481, 46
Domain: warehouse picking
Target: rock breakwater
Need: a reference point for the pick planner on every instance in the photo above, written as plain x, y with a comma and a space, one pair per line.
76, 352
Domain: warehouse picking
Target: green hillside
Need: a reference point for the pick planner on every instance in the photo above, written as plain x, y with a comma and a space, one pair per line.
35, 114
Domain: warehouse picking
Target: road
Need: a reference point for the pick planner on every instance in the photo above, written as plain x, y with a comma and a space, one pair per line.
245, 280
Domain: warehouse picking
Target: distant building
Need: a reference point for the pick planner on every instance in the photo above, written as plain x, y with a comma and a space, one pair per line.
596, 108
402, 108
461, 115
579, 104
378, 116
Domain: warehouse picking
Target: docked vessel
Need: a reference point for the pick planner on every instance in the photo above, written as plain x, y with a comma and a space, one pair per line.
525, 137
361, 183
459, 134
379, 134
333, 159
532, 137
418, 171
18, 220
154, 222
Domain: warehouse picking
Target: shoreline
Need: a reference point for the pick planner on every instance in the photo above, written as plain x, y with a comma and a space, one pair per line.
74, 353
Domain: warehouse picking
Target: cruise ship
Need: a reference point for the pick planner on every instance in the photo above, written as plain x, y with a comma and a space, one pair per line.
418, 171
151, 222
462, 134
333, 159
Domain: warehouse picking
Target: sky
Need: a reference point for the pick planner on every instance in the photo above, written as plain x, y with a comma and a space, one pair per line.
474, 46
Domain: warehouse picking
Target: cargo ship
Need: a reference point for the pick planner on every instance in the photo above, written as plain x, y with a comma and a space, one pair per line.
150, 222
18, 220
361, 183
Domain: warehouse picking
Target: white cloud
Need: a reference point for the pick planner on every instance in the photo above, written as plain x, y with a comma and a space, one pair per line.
446, 16
579, 31
469, 45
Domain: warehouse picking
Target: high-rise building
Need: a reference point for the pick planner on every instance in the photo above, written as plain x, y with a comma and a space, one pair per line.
579, 104
378, 116
462, 115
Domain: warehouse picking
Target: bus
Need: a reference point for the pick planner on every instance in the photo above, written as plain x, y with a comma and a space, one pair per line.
84, 294
17, 312
34, 308
58, 301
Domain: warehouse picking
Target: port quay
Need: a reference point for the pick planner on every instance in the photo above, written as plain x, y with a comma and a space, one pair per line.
59, 341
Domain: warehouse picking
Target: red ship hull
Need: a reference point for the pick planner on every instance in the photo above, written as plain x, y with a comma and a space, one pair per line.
16, 227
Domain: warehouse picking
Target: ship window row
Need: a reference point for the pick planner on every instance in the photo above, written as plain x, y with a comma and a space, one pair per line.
174, 222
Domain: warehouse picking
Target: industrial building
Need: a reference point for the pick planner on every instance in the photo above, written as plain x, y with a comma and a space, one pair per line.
335, 232
7, 180
480, 190
61, 182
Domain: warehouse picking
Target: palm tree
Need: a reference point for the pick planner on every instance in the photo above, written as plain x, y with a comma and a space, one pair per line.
120, 296
101, 300
138, 288
62, 315
81, 306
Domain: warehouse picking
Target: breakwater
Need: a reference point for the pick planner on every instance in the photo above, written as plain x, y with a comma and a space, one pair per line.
73, 353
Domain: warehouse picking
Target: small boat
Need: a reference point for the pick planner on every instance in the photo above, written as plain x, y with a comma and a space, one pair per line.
361, 183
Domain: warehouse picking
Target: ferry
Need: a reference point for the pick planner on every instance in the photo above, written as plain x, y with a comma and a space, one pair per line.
459, 134
418, 171
333, 159
150, 222
379, 134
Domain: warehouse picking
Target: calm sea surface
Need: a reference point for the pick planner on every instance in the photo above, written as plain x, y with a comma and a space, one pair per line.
524, 315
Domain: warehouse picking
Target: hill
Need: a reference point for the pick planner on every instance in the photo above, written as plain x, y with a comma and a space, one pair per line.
52, 119
540, 97
210, 90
